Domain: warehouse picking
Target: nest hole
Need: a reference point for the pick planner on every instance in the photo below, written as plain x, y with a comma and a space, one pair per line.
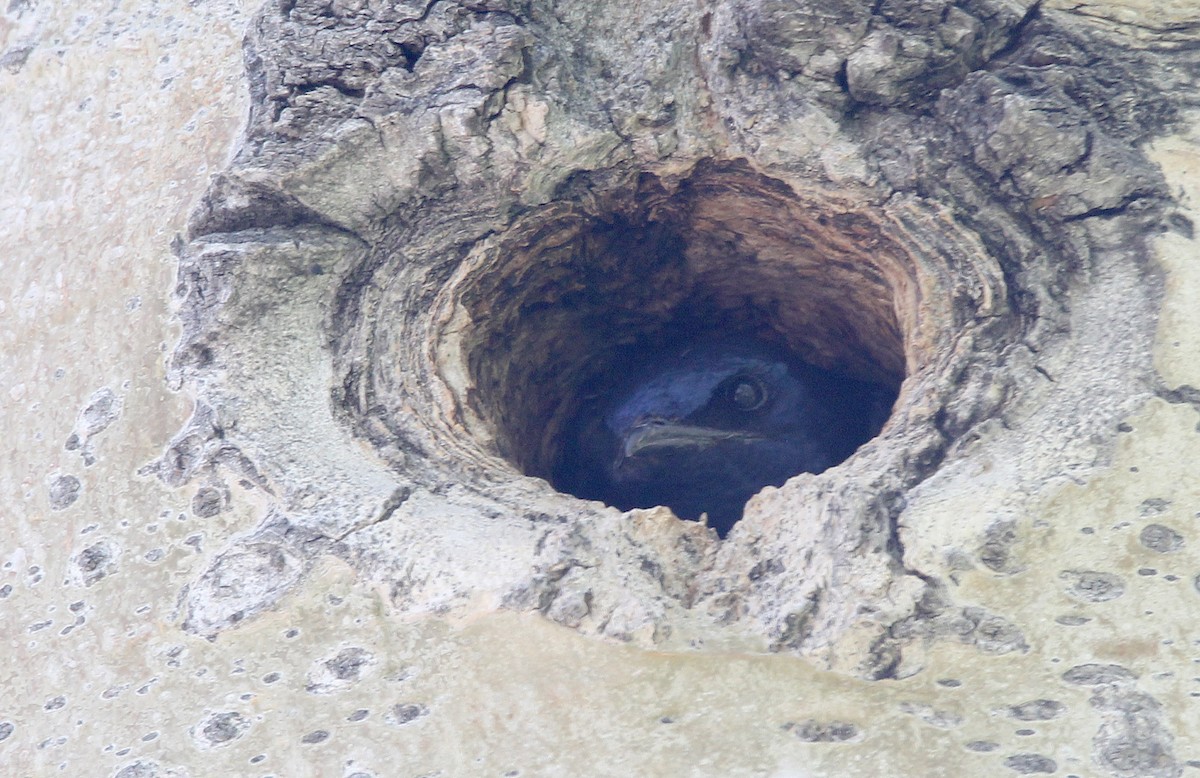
591, 294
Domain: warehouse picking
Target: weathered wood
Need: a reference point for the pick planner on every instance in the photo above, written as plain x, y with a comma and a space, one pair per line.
438, 225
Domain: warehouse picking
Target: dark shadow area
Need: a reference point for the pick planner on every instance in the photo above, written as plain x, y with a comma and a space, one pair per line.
687, 343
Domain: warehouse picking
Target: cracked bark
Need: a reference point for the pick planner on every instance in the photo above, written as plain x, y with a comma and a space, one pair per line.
937, 181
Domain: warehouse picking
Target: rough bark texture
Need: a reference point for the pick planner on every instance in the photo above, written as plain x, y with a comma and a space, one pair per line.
438, 225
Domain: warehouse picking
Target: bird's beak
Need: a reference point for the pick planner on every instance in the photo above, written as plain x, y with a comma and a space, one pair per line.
657, 435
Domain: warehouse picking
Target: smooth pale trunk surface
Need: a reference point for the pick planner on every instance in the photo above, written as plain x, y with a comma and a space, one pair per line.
111, 127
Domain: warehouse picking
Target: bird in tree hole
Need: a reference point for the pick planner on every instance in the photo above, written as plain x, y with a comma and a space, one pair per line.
702, 427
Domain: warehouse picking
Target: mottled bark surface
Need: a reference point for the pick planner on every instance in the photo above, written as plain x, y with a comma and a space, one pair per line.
441, 223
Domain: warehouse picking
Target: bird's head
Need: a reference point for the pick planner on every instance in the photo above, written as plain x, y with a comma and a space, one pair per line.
705, 427
702, 401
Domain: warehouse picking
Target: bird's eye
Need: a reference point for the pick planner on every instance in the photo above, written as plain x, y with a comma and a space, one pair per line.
747, 393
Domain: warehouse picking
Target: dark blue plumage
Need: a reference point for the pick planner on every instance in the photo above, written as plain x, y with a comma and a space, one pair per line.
704, 427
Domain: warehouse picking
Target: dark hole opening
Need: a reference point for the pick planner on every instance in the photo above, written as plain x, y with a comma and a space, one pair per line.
688, 344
